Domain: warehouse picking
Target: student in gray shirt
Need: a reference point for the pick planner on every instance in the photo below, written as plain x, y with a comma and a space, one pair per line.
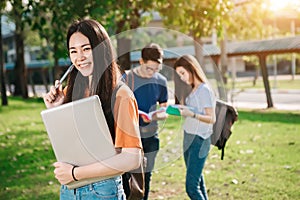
198, 125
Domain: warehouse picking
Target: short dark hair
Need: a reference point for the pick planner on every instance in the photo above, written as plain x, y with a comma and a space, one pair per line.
152, 52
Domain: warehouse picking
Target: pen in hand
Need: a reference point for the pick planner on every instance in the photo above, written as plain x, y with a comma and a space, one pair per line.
64, 76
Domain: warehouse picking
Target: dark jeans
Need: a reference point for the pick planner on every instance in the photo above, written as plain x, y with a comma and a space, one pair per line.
150, 147
196, 150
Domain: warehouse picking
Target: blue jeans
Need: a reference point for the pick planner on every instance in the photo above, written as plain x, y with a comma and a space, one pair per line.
196, 150
109, 189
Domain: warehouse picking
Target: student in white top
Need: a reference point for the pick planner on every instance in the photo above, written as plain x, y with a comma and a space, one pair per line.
192, 89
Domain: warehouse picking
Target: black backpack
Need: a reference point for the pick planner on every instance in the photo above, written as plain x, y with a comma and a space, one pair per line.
226, 115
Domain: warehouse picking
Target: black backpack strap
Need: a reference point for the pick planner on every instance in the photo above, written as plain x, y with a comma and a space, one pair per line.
223, 150
222, 153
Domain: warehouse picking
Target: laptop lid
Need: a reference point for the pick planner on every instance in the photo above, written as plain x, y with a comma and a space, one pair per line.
78, 132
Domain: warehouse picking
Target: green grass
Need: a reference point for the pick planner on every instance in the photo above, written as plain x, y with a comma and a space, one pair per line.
261, 161
261, 158
26, 155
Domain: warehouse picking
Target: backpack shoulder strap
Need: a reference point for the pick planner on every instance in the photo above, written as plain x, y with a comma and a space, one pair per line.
130, 79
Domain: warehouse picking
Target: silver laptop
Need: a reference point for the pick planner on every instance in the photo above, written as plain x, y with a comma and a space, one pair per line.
79, 134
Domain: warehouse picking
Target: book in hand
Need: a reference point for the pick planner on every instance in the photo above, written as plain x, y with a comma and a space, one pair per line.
162, 111
148, 116
175, 109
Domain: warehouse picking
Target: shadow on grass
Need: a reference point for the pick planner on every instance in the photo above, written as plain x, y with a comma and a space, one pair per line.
267, 116
18, 103
28, 100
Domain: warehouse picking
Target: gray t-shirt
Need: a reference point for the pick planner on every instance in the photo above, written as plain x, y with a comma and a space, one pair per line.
203, 97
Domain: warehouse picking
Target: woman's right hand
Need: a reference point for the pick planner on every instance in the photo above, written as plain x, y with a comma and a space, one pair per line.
185, 112
55, 96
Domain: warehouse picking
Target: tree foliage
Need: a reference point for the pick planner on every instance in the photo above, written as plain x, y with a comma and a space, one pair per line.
194, 17
120, 17
245, 21
51, 20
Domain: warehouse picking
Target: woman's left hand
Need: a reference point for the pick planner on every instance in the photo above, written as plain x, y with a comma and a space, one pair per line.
160, 115
63, 172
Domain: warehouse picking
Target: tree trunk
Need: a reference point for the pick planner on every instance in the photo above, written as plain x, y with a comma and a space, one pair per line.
20, 74
123, 42
264, 72
256, 75
218, 76
55, 71
224, 59
123, 52
20, 69
3, 88
198, 45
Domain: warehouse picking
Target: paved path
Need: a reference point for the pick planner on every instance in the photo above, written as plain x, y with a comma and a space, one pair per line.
250, 98
282, 100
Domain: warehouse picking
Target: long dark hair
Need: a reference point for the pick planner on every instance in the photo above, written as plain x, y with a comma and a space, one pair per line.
189, 63
105, 71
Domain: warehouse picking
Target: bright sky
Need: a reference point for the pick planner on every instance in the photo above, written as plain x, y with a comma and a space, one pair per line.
276, 5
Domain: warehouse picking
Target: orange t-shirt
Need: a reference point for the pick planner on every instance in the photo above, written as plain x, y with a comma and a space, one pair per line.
126, 120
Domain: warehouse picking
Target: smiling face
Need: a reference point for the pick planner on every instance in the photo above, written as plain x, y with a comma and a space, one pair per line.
184, 75
149, 67
80, 51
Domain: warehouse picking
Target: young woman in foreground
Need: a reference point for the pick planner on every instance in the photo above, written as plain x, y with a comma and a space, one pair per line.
96, 73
